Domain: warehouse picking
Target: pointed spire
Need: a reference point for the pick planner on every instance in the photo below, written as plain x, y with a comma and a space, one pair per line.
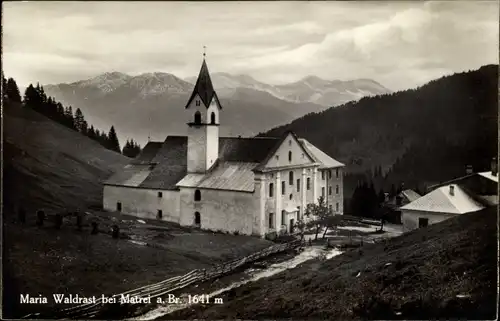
204, 87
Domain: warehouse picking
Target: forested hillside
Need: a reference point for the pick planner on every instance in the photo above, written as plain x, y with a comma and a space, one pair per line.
418, 136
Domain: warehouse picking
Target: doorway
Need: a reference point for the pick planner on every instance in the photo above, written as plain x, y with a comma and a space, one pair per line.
291, 226
119, 207
197, 219
423, 222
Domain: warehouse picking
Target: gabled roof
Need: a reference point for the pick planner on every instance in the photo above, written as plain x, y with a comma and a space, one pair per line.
440, 200
171, 162
204, 87
319, 156
131, 176
246, 149
148, 153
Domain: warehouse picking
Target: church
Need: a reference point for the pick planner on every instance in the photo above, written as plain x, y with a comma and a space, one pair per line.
251, 186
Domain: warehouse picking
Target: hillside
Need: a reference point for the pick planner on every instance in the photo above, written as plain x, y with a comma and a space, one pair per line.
445, 271
153, 104
49, 165
438, 128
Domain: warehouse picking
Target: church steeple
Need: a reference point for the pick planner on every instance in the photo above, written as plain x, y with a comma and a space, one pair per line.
204, 87
203, 132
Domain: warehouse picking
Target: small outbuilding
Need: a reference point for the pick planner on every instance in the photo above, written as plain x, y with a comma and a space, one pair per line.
441, 204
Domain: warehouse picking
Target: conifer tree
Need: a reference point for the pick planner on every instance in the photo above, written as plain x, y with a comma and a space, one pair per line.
113, 143
13, 91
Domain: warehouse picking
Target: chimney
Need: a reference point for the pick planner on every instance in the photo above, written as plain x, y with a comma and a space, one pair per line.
494, 167
469, 170
452, 190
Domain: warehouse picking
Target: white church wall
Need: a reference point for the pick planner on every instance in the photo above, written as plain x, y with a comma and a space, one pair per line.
220, 210
281, 156
142, 202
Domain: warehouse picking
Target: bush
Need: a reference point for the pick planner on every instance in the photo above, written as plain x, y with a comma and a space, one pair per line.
236, 233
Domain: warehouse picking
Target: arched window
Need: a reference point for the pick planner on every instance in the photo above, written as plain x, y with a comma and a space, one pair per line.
271, 190
290, 178
290, 156
197, 117
197, 195
212, 118
197, 218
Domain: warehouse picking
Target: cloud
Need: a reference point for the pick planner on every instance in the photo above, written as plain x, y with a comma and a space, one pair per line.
400, 44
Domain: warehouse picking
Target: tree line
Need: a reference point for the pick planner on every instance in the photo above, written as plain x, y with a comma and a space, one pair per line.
36, 99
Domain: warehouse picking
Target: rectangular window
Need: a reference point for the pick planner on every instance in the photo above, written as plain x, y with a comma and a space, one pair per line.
323, 191
329, 190
330, 208
119, 206
298, 213
423, 222
283, 217
160, 194
298, 185
336, 189
271, 190
323, 175
337, 206
282, 187
271, 220
308, 183
330, 174
159, 214
337, 172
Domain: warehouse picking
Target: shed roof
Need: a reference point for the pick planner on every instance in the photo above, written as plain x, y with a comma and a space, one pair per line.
234, 176
440, 200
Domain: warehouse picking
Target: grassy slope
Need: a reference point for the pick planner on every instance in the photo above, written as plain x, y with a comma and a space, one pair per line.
49, 166
428, 269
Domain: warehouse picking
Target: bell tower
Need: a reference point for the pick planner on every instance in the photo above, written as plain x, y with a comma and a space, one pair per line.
203, 132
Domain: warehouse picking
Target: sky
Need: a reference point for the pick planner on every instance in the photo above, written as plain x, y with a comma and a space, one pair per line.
399, 44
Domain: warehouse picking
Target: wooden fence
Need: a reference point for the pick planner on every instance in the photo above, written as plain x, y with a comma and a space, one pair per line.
162, 288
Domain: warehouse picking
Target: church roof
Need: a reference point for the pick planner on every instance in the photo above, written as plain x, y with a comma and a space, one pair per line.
319, 156
204, 87
163, 165
232, 176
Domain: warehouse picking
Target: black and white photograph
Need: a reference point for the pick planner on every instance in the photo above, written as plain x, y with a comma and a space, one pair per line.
250, 160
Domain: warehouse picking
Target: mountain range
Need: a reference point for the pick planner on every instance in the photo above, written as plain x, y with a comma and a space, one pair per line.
152, 104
